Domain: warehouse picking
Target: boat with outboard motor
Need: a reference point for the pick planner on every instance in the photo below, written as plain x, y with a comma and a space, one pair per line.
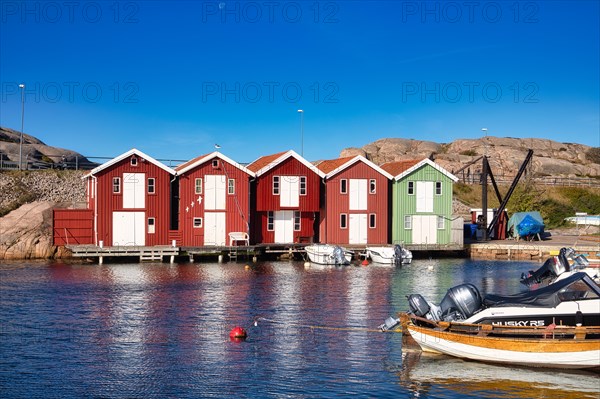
556, 268
396, 255
554, 346
326, 254
554, 326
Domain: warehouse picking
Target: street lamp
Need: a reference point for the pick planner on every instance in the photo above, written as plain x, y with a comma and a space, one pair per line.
301, 132
22, 86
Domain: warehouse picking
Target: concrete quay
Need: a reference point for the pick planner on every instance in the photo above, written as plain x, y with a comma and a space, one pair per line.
534, 250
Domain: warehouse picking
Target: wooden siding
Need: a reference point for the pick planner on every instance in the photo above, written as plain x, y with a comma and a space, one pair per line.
307, 233
404, 204
73, 226
156, 205
236, 205
266, 201
337, 203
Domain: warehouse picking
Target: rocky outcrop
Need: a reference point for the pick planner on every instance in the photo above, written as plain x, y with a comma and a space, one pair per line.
26, 233
36, 151
505, 155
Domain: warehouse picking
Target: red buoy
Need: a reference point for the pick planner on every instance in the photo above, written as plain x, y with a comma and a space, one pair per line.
237, 334
365, 262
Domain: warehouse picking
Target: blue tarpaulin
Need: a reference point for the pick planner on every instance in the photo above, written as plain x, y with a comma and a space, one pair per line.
523, 224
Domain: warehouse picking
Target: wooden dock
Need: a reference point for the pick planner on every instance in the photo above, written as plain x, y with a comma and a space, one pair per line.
154, 253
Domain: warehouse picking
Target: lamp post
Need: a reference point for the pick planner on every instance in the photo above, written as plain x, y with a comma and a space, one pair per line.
301, 131
484, 176
22, 86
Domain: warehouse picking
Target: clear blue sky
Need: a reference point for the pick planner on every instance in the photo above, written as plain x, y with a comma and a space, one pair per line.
174, 78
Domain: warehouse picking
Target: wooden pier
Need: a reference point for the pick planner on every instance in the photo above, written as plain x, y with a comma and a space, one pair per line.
155, 253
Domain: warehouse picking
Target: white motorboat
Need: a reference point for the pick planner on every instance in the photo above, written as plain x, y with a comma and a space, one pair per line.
326, 254
395, 255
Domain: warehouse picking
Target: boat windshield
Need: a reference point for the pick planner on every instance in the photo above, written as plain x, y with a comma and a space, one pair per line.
577, 290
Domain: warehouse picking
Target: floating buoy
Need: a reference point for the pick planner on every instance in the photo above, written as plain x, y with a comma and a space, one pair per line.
306, 264
247, 267
237, 334
365, 263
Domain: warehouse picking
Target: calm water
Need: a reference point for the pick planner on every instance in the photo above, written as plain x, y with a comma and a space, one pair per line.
162, 331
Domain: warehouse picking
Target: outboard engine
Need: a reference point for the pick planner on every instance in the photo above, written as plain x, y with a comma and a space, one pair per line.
460, 302
338, 255
552, 268
398, 254
420, 307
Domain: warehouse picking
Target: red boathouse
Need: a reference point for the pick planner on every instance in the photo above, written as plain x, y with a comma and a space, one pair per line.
286, 199
356, 206
214, 200
131, 200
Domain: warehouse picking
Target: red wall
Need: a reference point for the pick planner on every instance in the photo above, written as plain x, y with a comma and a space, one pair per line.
236, 221
266, 201
73, 226
337, 203
260, 235
157, 205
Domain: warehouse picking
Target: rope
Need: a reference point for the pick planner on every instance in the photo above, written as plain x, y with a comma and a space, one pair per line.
363, 329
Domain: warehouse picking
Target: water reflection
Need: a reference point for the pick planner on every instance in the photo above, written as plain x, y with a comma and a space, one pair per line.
160, 330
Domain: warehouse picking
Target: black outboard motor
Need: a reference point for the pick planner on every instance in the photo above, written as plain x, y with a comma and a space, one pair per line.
552, 268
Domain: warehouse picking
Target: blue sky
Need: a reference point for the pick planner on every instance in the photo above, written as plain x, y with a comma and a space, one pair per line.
174, 78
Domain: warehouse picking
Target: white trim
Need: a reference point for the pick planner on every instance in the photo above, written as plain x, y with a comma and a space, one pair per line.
126, 155
354, 160
426, 161
211, 156
283, 157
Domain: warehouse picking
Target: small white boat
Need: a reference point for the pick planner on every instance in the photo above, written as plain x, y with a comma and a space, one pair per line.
326, 254
395, 255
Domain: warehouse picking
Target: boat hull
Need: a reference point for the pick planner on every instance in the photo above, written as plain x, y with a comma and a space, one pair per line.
386, 255
322, 254
567, 353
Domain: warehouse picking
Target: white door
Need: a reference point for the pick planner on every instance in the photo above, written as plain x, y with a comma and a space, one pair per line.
358, 195
214, 194
214, 228
134, 190
284, 227
424, 229
290, 191
129, 228
357, 228
424, 196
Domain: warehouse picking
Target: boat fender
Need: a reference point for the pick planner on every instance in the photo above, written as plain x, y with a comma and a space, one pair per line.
578, 318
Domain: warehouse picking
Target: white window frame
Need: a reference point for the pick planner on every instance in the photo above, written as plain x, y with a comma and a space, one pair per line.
438, 187
373, 217
276, 185
117, 185
230, 186
343, 186
343, 221
133, 161
151, 185
197, 223
297, 221
151, 225
372, 186
441, 223
407, 222
196, 185
303, 189
270, 221
411, 188
215, 163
